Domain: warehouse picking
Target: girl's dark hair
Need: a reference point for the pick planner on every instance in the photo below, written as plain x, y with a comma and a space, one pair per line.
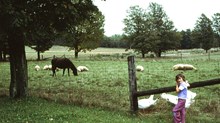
180, 75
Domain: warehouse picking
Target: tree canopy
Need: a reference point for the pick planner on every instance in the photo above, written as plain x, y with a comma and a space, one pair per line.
150, 30
20, 20
135, 29
186, 41
87, 34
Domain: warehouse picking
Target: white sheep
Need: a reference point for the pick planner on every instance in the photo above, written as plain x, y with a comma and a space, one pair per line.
183, 67
37, 67
82, 68
140, 68
50, 67
45, 67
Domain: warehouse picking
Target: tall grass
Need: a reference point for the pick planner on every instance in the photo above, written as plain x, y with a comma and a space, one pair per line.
105, 86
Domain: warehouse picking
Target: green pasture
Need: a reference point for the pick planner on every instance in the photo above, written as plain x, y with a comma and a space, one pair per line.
101, 94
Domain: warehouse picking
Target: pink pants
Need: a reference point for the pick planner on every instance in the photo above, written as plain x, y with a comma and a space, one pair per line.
179, 111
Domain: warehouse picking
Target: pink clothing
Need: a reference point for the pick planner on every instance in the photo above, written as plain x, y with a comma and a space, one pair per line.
179, 111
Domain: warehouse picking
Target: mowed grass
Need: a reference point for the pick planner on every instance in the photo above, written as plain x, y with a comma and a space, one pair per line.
35, 110
102, 95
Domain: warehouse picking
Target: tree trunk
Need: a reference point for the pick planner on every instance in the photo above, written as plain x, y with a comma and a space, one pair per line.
12, 90
76, 54
38, 52
18, 66
38, 55
143, 55
159, 53
1, 54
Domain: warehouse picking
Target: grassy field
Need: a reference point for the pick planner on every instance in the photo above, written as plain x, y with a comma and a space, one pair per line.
101, 94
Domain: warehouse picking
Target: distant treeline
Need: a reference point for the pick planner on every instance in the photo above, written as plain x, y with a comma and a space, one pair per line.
115, 41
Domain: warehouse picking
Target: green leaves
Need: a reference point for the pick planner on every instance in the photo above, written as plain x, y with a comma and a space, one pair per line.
150, 30
203, 33
87, 34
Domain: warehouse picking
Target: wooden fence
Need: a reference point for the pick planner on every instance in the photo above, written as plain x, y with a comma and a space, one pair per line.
134, 94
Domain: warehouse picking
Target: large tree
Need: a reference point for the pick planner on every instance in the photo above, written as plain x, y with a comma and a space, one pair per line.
136, 32
41, 40
168, 38
203, 33
150, 30
20, 17
86, 35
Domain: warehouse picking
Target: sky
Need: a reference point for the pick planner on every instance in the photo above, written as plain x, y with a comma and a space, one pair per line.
183, 13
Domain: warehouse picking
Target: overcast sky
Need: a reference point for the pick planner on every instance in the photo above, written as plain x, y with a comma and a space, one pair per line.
183, 13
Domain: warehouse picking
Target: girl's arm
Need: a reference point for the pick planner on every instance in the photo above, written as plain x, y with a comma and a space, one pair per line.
177, 88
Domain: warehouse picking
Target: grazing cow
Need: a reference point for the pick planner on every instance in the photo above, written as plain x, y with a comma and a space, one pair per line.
63, 63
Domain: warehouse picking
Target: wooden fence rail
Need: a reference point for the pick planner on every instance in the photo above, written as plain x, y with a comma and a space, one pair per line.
172, 88
134, 94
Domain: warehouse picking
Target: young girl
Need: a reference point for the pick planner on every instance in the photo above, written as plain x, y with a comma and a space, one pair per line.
179, 109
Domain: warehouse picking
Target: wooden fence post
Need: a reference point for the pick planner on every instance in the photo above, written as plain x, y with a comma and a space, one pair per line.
132, 85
